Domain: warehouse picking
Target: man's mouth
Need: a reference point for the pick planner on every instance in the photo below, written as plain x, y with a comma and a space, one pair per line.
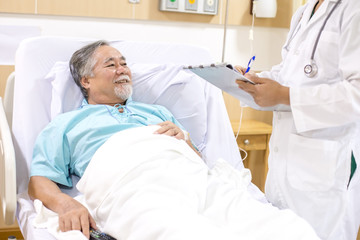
122, 79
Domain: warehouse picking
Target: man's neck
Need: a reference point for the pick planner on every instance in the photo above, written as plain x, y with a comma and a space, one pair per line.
91, 101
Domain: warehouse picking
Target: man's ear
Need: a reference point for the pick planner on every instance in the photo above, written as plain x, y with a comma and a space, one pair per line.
85, 82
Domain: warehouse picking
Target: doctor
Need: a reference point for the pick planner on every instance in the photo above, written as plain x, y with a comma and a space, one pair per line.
315, 148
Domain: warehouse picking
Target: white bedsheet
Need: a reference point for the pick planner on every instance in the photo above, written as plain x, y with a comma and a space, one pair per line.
165, 191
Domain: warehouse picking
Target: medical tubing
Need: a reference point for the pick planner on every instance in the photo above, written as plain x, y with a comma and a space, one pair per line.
322, 28
225, 30
251, 31
237, 135
240, 120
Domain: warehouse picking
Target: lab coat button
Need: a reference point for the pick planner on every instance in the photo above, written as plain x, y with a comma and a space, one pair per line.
276, 149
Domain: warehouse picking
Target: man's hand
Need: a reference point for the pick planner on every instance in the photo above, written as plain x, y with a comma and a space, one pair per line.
74, 216
170, 129
266, 92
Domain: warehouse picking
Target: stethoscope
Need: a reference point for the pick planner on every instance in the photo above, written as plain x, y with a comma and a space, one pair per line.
311, 69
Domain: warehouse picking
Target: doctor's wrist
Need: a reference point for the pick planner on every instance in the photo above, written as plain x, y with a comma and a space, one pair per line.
284, 96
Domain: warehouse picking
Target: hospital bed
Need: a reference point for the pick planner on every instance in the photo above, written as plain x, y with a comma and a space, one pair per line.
42, 88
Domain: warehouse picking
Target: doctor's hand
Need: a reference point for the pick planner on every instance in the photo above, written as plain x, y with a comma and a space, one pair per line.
240, 69
170, 129
74, 216
266, 92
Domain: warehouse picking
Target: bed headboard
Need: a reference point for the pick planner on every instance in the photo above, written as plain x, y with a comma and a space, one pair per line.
41, 65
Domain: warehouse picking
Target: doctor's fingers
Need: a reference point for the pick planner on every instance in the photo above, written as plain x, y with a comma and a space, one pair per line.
240, 69
247, 87
270, 94
254, 77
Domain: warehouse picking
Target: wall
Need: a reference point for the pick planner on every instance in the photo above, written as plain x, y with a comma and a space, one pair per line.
145, 10
267, 43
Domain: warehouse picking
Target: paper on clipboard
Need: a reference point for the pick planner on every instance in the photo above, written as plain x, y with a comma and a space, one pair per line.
224, 76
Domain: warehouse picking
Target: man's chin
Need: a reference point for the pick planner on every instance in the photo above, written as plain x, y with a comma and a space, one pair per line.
123, 92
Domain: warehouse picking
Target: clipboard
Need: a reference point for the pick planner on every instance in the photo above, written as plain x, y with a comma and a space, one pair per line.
213, 73
223, 76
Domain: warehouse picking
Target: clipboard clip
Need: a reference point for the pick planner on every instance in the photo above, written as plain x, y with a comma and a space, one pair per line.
208, 65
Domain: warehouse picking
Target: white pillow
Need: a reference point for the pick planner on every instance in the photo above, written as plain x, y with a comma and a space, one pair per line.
182, 92
66, 95
179, 91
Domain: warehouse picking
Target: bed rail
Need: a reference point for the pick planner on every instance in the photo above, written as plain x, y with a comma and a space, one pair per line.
7, 169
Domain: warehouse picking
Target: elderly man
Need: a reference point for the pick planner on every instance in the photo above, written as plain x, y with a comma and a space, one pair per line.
67, 144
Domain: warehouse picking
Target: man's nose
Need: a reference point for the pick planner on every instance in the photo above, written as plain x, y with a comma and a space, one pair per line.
120, 69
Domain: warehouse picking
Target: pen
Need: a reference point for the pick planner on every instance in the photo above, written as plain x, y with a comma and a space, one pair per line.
250, 64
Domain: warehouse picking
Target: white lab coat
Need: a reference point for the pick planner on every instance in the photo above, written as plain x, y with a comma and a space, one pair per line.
310, 147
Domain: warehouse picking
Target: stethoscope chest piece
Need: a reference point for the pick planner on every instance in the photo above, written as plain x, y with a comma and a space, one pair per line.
311, 69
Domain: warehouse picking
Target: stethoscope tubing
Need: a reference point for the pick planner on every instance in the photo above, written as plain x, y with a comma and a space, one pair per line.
322, 29
297, 29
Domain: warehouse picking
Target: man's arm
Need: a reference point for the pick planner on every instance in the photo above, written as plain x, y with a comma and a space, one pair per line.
72, 214
193, 148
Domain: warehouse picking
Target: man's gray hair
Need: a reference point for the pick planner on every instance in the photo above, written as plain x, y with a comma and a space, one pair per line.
82, 63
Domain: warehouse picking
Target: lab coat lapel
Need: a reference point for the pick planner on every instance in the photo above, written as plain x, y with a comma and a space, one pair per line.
307, 13
308, 22
320, 15
304, 23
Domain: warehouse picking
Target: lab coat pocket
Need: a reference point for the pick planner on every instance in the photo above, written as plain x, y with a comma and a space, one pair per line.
311, 164
328, 54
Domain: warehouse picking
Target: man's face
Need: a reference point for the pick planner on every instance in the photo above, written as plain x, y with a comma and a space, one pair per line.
111, 82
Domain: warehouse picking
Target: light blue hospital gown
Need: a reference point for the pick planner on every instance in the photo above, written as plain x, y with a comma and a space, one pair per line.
68, 143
